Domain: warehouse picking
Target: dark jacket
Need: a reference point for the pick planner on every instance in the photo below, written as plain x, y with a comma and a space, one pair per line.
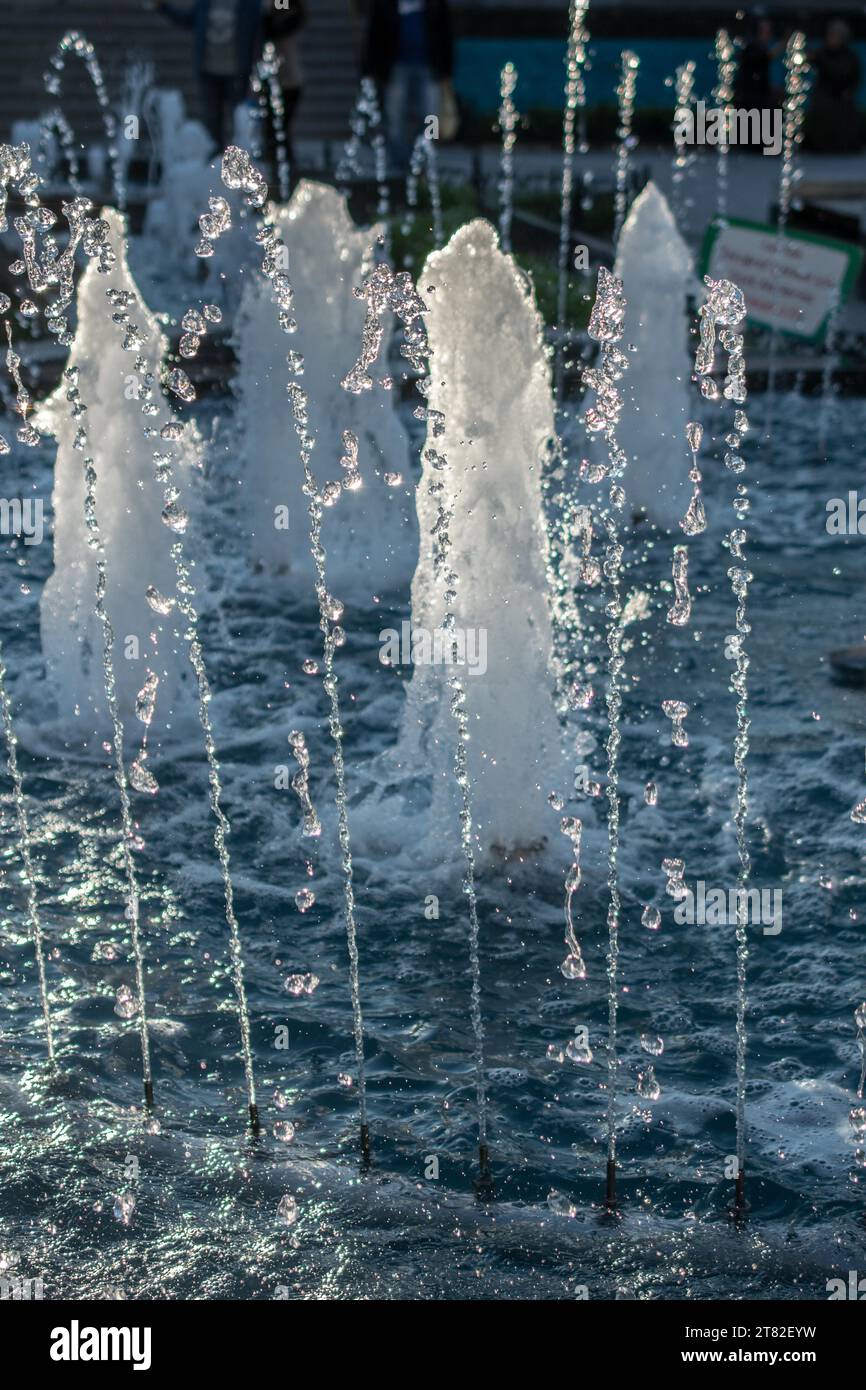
383, 37
284, 23
752, 83
247, 30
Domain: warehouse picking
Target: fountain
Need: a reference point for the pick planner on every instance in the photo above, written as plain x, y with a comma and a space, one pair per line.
509, 119
626, 140
370, 533
723, 95
655, 267
473, 745
423, 160
490, 413
137, 543
575, 104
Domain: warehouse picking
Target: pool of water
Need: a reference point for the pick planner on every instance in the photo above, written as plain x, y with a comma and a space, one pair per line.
205, 1223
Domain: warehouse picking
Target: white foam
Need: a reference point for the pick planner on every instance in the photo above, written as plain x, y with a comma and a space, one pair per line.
490, 378
655, 266
370, 534
129, 505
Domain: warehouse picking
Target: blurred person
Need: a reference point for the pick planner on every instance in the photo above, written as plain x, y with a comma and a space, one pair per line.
227, 36
753, 89
409, 51
834, 120
282, 27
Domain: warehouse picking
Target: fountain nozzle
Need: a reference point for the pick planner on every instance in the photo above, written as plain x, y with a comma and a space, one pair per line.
484, 1189
255, 1123
740, 1208
610, 1201
148, 1093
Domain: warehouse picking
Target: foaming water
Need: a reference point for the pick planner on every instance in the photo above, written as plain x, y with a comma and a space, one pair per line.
205, 1220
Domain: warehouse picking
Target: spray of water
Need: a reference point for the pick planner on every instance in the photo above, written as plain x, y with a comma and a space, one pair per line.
53, 268
176, 519
684, 155
625, 92
266, 86
25, 849
831, 359
55, 123
509, 118
81, 48
423, 161
725, 306
301, 784
383, 290
695, 519
239, 173
794, 107
365, 125
723, 94
575, 103
606, 328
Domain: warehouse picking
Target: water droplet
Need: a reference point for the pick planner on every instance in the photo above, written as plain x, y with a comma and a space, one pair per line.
145, 701
124, 1206
301, 984
104, 950
694, 435
573, 967
175, 518
141, 778
676, 710
651, 794
125, 1003
180, 384
287, 1210
652, 1044
651, 918
562, 1205
304, 899
284, 1130
648, 1087
578, 1052
158, 602
581, 696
